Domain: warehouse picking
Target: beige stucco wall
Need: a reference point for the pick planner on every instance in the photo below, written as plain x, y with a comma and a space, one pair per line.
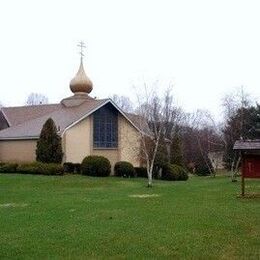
129, 142
17, 150
77, 142
111, 154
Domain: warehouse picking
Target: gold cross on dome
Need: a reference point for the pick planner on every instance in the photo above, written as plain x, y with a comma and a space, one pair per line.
81, 45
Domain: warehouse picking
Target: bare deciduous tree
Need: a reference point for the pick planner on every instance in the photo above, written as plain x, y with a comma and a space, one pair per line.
154, 113
202, 135
124, 103
36, 99
235, 106
233, 101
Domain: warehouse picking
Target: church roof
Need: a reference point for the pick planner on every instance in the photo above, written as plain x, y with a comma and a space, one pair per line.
18, 115
26, 122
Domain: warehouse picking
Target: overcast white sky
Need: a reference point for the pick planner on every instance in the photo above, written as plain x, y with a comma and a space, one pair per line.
205, 48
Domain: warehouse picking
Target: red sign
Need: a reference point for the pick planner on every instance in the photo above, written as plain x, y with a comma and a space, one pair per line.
251, 166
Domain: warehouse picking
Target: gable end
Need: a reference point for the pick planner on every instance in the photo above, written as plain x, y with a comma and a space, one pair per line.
3, 122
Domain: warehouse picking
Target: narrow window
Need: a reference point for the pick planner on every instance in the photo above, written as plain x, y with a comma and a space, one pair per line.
105, 127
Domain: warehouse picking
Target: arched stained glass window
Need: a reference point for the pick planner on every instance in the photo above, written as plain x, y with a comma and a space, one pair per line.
105, 127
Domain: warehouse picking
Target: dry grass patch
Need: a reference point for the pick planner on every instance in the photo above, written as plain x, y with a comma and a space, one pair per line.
144, 195
13, 205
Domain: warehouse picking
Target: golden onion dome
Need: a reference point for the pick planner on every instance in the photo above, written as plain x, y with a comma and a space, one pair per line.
81, 83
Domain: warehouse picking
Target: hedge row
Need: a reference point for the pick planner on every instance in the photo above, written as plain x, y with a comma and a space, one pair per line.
8, 167
32, 168
98, 166
170, 172
70, 167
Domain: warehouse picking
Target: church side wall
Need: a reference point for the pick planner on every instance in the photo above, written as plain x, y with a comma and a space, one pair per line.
76, 142
18, 150
129, 142
111, 154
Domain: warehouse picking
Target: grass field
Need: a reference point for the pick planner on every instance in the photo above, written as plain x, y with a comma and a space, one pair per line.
81, 217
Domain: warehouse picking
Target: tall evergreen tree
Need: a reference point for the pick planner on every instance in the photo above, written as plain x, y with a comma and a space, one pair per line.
49, 149
176, 156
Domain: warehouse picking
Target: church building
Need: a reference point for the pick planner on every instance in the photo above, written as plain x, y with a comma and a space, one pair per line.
87, 126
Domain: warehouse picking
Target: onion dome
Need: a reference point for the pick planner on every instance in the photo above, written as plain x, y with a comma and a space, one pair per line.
81, 84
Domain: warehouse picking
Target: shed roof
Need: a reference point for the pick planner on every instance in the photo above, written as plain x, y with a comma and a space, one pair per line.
247, 145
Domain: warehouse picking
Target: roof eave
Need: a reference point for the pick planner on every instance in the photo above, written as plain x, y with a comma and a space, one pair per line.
19, 138
95, 109
6, 118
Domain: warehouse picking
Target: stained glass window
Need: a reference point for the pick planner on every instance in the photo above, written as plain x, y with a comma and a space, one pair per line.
105, 127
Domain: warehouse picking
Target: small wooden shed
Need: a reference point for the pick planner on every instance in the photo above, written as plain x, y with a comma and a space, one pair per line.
250, 159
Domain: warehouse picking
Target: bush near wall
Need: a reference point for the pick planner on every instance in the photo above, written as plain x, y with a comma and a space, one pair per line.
70, 167
98, 166
141, 172
32, 168
124, 169
77, 168
8, 167
173, 172
40, 168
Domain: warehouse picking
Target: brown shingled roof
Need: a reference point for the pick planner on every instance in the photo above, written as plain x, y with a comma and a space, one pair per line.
26, 122
18, 115
247, 145
63, 117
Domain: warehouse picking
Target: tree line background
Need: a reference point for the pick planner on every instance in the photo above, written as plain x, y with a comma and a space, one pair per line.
187, 139
183, 138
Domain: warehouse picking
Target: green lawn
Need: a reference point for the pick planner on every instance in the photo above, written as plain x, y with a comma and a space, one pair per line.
82, 217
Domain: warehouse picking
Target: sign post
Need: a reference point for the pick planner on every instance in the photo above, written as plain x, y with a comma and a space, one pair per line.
242, 185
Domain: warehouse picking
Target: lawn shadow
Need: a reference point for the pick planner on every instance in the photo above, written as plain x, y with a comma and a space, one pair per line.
249, 196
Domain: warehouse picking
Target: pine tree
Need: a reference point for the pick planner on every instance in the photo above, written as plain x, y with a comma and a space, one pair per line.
203, 165
49, 149
176, 150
